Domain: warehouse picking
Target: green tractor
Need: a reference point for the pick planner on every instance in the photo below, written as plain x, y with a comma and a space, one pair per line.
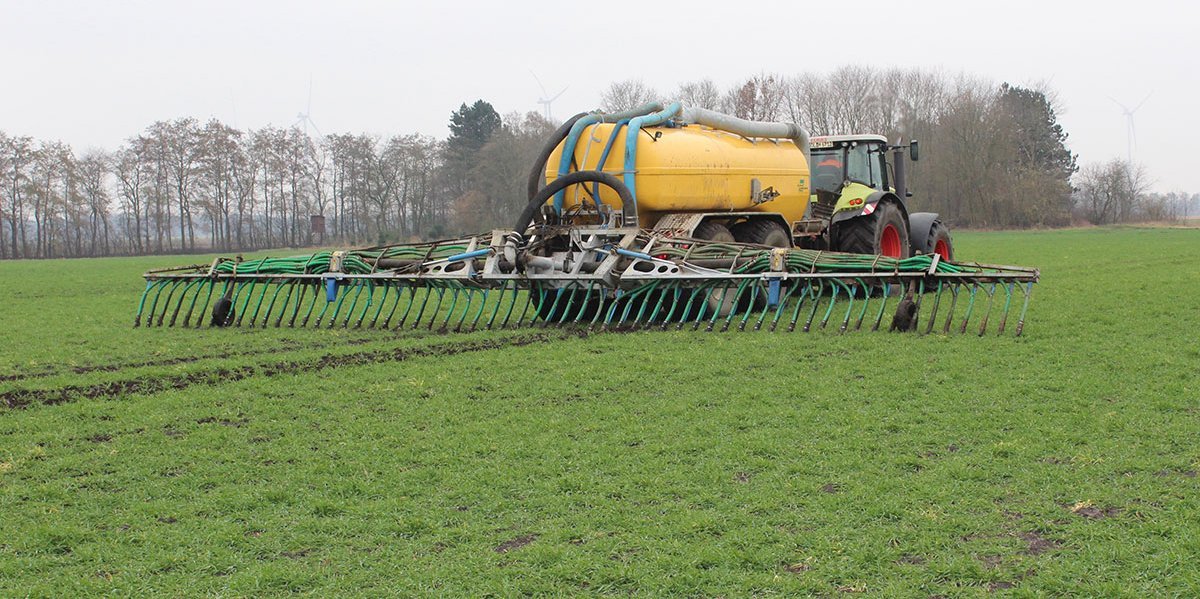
858, 201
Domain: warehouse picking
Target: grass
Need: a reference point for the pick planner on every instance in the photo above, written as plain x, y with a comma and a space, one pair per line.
539, 462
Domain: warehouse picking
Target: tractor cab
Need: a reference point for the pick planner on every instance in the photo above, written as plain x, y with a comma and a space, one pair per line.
853, 176
841, 159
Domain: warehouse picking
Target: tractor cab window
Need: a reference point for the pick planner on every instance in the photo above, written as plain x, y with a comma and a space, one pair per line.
880, 164
828, 168
862, 165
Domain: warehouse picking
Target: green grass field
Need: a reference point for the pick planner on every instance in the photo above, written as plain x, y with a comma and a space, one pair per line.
332, 462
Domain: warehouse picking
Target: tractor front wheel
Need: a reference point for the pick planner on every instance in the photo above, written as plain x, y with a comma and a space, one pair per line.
883, 232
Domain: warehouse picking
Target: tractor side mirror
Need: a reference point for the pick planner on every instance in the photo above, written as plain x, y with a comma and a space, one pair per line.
913, 154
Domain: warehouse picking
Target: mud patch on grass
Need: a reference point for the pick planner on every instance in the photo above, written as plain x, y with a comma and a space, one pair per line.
100, 438
1092, 512
1001, 585
224, 421
796, 568
515, 543
1183, 473
831, 488
1037, 544
910, 560
741, 477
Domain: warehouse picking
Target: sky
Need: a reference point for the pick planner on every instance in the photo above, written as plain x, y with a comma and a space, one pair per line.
94, 73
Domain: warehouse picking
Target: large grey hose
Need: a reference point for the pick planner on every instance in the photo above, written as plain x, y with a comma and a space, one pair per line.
743, 127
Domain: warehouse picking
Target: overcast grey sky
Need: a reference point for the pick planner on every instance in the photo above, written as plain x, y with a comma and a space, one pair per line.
92, 73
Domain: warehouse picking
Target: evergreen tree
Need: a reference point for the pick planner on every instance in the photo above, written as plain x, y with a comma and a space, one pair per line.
1041, 141
471, 127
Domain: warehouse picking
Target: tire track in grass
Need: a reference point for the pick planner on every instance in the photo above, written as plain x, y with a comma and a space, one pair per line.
173, 361
23, 398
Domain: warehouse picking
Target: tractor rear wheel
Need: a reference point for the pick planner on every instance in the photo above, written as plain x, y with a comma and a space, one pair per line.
942, 245
762, 232
883, 232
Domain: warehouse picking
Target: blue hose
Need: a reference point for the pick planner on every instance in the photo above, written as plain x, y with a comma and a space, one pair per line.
631, 139
572, 140
608, 146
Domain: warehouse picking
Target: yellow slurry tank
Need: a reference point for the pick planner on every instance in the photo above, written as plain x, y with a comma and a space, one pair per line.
692, 168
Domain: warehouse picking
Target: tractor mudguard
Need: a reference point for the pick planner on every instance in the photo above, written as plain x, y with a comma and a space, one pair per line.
868, 207
920, 225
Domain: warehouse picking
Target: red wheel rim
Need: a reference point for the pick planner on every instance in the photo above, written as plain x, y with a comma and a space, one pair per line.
889, 241
942, 249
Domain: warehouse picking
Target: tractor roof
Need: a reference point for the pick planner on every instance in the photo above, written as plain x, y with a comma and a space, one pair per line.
819, 140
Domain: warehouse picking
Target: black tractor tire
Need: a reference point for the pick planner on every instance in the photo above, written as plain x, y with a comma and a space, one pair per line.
869, 234
940, 242
762, 232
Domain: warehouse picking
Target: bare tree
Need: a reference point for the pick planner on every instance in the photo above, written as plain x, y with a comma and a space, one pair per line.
93, 170
497, 190
623, 95
759, 98
19, 154
1110, 192
701, 94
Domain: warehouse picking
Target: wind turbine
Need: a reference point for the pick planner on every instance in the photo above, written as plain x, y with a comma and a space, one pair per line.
1130, 131
303, 119
544, 100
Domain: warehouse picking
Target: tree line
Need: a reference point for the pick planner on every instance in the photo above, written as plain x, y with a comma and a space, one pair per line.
992, 156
